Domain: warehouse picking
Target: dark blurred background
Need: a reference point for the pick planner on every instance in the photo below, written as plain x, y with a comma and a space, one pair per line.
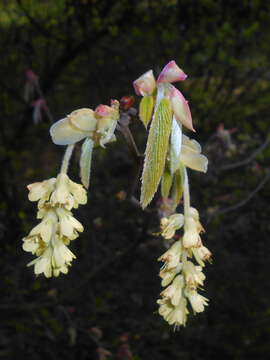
86, 52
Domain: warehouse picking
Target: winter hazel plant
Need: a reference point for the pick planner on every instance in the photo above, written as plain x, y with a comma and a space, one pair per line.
169, 153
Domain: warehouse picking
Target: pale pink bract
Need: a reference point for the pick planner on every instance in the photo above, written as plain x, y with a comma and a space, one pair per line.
181, 108
171, 73
145, 84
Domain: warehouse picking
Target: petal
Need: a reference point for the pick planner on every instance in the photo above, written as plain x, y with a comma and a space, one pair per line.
30, 245
197, 162
63, 133
79, 193
76, 224
181, 108
46, 231
191, 239
145, 84
83, 119
192, 144
176, 143
66, 227
171, 73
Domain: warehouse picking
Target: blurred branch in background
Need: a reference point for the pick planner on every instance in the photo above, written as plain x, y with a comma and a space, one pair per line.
250, 158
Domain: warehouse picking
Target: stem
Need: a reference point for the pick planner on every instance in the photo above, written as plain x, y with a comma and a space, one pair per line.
186, 192
66, 158
186, 208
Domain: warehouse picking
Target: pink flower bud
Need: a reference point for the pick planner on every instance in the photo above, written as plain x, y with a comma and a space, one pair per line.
171, 73
103, 110
145, 84
181, 108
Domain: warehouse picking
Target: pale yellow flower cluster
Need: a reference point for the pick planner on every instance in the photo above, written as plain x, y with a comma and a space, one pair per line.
49, 239
178, 273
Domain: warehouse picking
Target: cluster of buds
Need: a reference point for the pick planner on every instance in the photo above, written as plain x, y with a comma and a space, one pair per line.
98, 125
168, 111
147, 86
49, 240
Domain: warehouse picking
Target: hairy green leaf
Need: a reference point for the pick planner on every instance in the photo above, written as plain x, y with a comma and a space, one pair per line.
156, 151
146, 109
85, 161
166, 182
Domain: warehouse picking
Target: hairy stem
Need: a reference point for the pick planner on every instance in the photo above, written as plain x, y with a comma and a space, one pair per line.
66, 159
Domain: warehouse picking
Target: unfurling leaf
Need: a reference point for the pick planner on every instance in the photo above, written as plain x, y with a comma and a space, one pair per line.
146, 109
85, 161
177, 188
156, 151
166, 182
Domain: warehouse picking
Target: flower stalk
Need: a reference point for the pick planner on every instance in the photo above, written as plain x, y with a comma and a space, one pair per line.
66, 159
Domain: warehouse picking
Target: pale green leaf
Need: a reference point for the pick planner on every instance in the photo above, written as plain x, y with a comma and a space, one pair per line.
177, 188
85, 161
156, 151
146, 109
166, 182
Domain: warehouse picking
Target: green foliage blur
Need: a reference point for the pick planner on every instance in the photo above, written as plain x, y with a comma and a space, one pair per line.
86, 52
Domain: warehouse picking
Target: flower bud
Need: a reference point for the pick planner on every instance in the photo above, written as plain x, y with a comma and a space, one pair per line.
191, 236
104, 110
145, 84
41, 190
171, 224
172, 256
126, 102
171, 73
174, 291
204, 253
193, 274
197, 301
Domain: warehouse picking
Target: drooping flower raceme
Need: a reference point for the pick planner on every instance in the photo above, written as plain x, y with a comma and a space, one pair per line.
56, 197
49, 239
168, 155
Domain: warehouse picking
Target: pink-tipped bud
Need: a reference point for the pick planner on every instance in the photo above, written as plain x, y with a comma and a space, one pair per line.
171, 73
103, 110
181, 108
145, 84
